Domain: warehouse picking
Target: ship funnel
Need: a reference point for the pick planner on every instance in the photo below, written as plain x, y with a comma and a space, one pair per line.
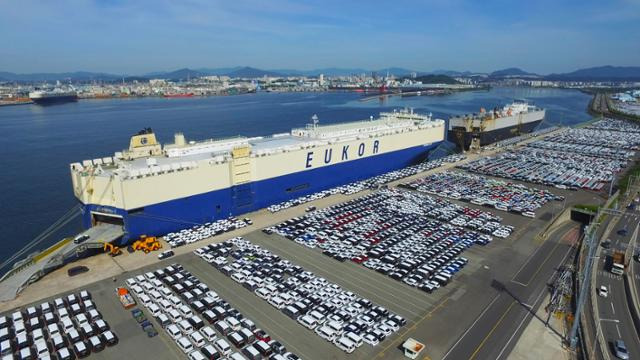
143, 144
179, 139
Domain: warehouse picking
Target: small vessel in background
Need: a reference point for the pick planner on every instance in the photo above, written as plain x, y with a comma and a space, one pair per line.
178, 95
57, 95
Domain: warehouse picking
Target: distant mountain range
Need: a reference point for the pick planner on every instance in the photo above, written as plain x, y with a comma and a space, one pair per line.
511, 72
436, 79
454, 73
177, 74
600, 73
249, 72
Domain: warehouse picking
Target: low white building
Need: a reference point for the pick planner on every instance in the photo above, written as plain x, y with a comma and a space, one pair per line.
157, 82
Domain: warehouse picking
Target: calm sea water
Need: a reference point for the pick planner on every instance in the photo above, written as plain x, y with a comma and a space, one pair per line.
38, 143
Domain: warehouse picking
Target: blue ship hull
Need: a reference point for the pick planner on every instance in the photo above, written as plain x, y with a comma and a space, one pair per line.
162, 218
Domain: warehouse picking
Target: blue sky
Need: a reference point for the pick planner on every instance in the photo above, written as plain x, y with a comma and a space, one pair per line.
135, 37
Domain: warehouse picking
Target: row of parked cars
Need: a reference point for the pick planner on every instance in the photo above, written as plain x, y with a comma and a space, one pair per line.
199, 232
480, 190
390, 231
318, 227
371, 183
203, 325
324, 308
609, 138
386, 178
517, 139
582, 148
623, 126
66, 328
561, 169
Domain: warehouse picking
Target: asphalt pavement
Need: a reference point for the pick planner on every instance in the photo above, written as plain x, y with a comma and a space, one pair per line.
494, 333
480, 315
615, 317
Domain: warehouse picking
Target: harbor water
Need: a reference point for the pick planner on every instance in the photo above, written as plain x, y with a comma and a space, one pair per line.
39, 142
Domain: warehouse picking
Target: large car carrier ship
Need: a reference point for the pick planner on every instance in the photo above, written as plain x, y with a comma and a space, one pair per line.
488, 127
152, 189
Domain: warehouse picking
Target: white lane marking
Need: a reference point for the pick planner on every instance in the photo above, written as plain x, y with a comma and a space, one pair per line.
527, 314
472, 325
611, 320
618, 329
538, 298
525, 264
613, 309
359, 276
358, 287
240, 298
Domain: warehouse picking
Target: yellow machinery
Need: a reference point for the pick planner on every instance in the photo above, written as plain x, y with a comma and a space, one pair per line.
147, 244
111, 249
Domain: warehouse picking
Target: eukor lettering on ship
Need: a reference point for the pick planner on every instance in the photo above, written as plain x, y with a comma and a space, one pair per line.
328, 153
153, 189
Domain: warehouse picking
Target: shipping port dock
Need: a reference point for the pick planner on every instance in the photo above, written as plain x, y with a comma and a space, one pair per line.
438, 318
497, 293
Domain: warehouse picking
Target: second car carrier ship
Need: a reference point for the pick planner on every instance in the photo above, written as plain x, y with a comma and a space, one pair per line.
152, 189
488, 127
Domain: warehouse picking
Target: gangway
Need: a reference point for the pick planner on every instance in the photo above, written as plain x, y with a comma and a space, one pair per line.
35, 266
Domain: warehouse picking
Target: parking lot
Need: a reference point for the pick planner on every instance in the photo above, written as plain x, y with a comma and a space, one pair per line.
538, 166
582, 144
202, 324
572, 158
480, 190
411, 237
339, 316
437, 319
66, 327
408, 302
599, 138
204, 231
372, 183
615, 125
516, 139
131, 340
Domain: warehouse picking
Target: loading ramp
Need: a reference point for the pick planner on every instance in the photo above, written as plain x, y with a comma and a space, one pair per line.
35, 266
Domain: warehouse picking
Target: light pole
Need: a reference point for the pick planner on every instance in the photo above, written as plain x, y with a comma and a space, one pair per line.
613, 178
